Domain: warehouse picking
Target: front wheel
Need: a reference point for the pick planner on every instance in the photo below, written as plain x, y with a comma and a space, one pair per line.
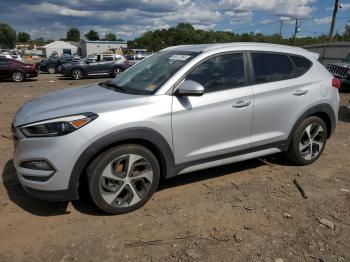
123, 178
117, 71
308, 141
18, 76
77, 74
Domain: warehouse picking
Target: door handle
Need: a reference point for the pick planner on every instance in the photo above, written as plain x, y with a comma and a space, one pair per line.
241, 104
300, 92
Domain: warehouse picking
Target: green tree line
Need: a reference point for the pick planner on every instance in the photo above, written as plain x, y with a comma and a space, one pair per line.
186, 34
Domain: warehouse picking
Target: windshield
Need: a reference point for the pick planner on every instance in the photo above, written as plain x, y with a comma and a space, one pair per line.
145, 77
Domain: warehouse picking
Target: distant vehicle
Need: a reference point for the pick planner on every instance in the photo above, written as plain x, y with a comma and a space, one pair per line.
12, 55
341, 71
95, 64
51, 64
137, 55
16, 70
35, 56
17, 56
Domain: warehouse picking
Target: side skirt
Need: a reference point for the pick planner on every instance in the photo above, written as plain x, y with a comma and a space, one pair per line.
230, 160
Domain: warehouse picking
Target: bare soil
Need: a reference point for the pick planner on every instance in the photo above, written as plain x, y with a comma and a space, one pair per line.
249, 211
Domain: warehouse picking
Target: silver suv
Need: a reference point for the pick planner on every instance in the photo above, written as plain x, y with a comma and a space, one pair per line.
182, 109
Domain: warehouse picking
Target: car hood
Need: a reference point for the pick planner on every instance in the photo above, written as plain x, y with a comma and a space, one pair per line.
92, 98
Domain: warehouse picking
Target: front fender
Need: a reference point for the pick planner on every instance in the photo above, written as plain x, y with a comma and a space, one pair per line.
128, 136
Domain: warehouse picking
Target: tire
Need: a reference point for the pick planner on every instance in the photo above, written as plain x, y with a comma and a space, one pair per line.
77, 74
117, 71
18, 76
51, 69
116, 189
308, 142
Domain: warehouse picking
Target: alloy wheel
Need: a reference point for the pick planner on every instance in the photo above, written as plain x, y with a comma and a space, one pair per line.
77, 74
17, 76
117, 71
52, 70
126, 180
312, 141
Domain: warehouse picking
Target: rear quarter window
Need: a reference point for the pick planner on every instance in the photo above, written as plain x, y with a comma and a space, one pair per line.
302, 64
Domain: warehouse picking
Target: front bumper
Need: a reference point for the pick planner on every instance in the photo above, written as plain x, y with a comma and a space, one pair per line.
61, 152
30, 75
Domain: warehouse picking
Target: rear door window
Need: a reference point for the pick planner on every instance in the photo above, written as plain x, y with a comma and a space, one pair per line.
301, 64
270, 67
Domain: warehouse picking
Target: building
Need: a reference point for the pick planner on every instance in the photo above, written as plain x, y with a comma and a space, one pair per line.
93, 47
59, 47
333, 52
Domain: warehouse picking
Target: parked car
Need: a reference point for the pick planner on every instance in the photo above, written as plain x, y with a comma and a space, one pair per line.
96, 64
341, 71
52, 64
183, 109
12, 55
16, 70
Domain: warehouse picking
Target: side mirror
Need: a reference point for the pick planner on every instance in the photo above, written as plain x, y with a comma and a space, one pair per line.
190, 88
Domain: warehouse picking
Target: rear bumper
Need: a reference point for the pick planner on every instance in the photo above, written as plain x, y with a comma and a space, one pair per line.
345, 82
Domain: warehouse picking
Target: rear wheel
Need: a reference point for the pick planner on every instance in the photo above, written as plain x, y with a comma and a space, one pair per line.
18, 76
308, 141
123, 178
77, 74
51, 69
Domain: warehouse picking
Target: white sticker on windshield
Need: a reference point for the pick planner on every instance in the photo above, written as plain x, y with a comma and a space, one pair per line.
179, 57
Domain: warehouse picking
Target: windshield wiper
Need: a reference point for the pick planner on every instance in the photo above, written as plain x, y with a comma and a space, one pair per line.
112, 86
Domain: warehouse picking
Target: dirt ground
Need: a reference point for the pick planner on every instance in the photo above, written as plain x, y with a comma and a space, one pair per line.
248, 211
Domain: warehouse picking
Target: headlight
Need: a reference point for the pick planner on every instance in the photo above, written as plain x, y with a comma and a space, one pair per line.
58, 126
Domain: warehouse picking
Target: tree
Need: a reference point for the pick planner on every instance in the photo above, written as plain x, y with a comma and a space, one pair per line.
23, 37
73, 34
7, 36
39, 41
48, 41
110, 37
92, 35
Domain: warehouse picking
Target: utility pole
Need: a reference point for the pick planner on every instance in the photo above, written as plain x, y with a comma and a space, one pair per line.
281, 27
335, 10
296, 30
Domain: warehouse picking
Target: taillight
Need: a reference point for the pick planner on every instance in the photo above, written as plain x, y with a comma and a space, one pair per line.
336, 83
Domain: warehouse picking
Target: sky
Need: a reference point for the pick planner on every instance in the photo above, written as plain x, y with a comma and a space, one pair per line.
130, 18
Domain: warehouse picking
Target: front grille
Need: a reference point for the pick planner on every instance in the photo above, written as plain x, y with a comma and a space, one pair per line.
338, 71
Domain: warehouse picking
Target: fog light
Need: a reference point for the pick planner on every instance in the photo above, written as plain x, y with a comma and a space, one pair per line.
37, 165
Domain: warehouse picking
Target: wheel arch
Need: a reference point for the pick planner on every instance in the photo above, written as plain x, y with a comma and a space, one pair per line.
146, 137
80, 68
323, 111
